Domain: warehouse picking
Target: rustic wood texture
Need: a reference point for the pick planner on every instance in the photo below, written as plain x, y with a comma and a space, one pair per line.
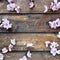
38, 41
39, 6
31, 23
35, 56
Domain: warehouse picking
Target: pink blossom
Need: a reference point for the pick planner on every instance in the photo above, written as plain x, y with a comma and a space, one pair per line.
10, 47
11, 6
4, 50
55, 24
55, 5
6, 24
31, 5
53, 51
54, 45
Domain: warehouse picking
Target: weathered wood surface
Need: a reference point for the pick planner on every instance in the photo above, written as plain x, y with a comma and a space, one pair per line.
39, 6
38, 41
35, 56
31, 23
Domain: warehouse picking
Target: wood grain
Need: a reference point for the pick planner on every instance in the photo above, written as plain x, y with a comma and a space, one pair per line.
35, 56
38, 41
31, 23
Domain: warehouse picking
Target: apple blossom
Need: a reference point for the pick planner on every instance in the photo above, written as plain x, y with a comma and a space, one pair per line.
4, 50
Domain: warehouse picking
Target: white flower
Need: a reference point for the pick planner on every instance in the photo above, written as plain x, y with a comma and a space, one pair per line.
54, 45
29, 45
29, 54
55, 24
47, 43
17, 9
1, 56
53, 51
10, 47
45, 8
23, 58
58, 35
6, 24
13, 41
52, 24
58, 52
10, 1
55, 1
11, 6
31, 5
4, 50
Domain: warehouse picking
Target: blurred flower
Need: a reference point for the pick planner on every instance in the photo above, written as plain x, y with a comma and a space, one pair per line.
31, 5
13, 41
47, 43
10, 47
53, 51
54, 45
29, 54
46, 8
54, 24
58, 35
55, 5
5, 24
29, 45
58, 52
4, 50
1, 56
10, 1
23, 58
13, 7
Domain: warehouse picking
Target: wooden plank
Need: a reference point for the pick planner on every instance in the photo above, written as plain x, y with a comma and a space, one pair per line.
39, 6
38, 41
35, 56
31, 23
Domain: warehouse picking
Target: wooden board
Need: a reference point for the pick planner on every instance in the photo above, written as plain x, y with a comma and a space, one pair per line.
31, 23
38, 41
39, 6
35, 56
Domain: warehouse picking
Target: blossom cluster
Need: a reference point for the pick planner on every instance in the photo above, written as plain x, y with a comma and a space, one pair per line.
54, 6
54, 24
9, 48
5, 23
53, 47
13, 6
